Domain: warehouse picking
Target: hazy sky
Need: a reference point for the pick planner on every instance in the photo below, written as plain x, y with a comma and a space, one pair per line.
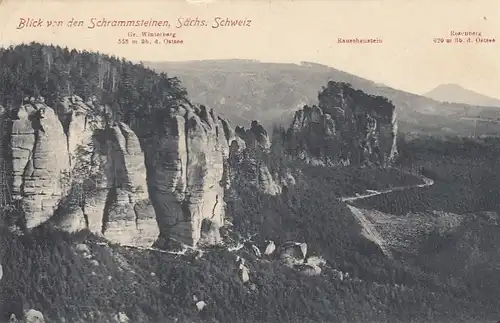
291, 31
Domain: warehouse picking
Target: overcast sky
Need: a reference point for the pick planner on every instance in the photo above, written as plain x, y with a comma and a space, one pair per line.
292, 31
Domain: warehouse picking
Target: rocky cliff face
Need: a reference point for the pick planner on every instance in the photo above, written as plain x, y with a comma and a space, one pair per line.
348, 126
109, 188
35, 162
247, 162
85, 125
186, 174
75, 170
255, 137
78, 169
128, 215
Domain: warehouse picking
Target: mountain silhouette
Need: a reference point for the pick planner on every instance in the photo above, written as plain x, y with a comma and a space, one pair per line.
456, 93
245, 90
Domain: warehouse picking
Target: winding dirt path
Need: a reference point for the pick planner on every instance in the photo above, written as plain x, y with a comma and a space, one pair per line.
427, 182
368, 230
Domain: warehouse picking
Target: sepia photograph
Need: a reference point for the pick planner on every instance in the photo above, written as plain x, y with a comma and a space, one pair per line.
270, 161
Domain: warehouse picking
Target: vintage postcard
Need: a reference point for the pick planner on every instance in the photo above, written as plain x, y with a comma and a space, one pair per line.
250, 161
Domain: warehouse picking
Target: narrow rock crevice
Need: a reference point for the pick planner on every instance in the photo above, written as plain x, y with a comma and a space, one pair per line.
186, 143
85, 215
125, 136
136, 214
110, 201
215, 205
85, 122
186, 213
27, 167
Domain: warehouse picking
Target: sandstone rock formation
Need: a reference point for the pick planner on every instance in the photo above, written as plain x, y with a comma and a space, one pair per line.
113, 198
230, 134
129, 216
248, 164
347, 127
186, 171
84, 124
80, 121
37, 162
77, 169
254, 137
80, 169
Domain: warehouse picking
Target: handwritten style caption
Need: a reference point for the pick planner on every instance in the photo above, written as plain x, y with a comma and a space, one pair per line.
94, 23
154, 29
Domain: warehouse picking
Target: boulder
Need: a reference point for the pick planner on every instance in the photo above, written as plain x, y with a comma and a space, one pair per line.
33, 316
292, 253
122, 318
315, 261
200, 305
243, 273
308, 270
256, 251
270, 247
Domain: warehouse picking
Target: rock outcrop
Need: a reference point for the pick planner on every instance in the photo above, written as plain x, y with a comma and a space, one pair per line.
347, 126
248, 163
36, 162
186, 173
129, 216
110, 192
231, 135
77, 169
84, 125
255, 137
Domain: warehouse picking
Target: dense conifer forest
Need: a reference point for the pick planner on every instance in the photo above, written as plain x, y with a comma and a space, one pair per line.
133, 91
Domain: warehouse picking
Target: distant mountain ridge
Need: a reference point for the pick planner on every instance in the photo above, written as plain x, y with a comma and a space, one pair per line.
244, 90
456, 93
